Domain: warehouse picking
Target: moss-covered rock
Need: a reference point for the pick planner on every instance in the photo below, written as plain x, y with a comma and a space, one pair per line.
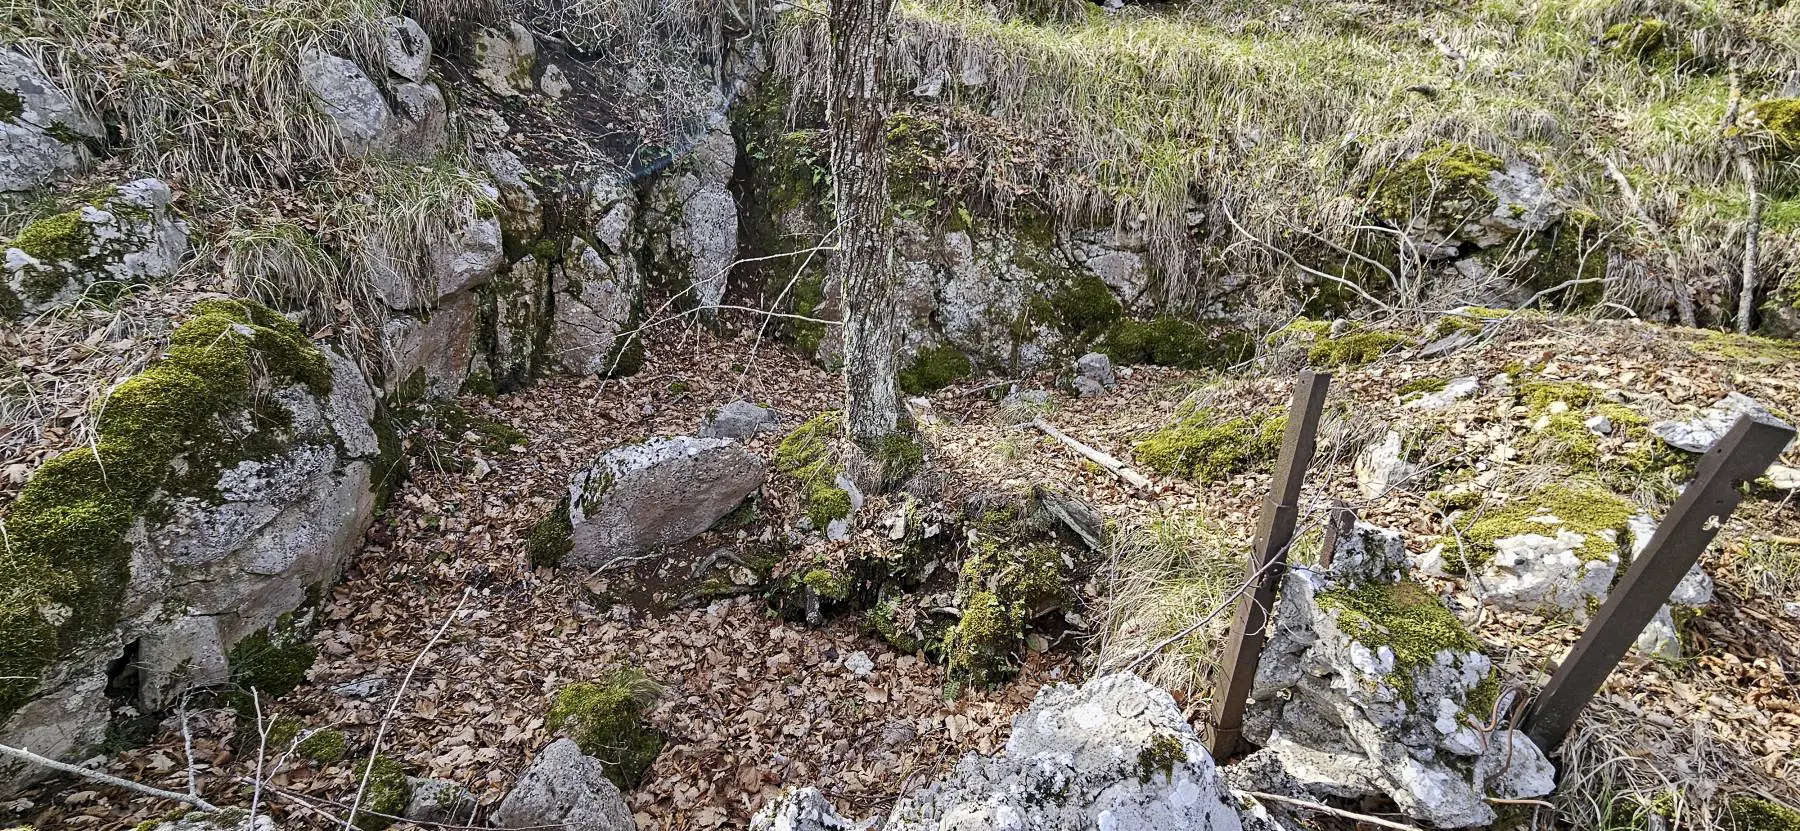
1597, 514
67, 562
1780, 118
1354, 348
1638, 39
323, 746
272, 661
979, 648
1405, 617
1171, 341
809, 456
551, 538
1447, 178
1208, 444
386, 794
606, 720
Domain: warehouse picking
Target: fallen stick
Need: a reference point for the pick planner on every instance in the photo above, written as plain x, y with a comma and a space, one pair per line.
1336, 812
1112, 465
108, 779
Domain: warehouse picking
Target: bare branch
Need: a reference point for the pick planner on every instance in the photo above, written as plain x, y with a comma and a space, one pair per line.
107, 778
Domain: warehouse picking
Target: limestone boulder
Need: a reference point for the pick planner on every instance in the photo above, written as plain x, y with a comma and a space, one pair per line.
692, 220
1114, 752
346, 96
1382, 467
657, 493
406, 48
564, 789
126, 238
41, 127
504, 59
1368, 686
421, 120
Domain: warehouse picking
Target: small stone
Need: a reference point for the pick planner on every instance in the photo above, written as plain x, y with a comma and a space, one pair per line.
656, 493
1096, 367
367, 687
859, 664
553, 82
799, 809
739, 420
439, 801
1660, 639
1600, 425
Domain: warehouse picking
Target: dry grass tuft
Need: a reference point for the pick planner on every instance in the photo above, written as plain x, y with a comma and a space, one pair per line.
1169, 575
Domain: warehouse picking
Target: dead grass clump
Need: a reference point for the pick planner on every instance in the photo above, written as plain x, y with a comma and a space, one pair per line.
1168, 576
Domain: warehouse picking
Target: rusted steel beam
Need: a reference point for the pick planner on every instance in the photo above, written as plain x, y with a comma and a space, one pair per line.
1740, 455
1268, 562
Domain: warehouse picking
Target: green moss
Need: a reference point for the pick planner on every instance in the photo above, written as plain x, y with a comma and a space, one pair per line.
979, 647
1781, 118
607, 720
1354, 348
1483, 696
900, 456
67, 562
323, 746
1171, 341
1565, 438
1452, 177
59, 238
387, 793
1209, 444
808, 455
1405, 617
809, 297
826, 502
1311, 331
828, 584
11, 105
934, 369
1639, 39
1084, 308
551, 538
1539, 395
1161, 755
1422, 385
1582, 508
272, 661
1749, 813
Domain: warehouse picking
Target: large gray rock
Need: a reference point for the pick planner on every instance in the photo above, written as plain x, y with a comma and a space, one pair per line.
33, 150
564, 789
596, 299
345, 95
692, 218
660, 492
436, 350
1700, 433
465, 252
205, 573
127, 238
1524, 203
421, 122
739, 420
1112, 753
1349, 716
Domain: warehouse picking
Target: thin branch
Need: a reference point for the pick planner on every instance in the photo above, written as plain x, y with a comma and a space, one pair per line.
107, 779
1112, 465
1336, 812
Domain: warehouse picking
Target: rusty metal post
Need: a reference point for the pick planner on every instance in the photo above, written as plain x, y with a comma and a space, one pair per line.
1742, 454
1268, 561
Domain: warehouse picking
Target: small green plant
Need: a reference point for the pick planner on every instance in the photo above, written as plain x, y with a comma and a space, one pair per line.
934, 369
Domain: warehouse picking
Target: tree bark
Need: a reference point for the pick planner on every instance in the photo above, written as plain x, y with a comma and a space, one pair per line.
1740, 153
857, 116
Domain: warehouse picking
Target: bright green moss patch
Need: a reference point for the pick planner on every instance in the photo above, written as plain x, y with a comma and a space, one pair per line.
272, 661
809, 455
1354, 348
828, 584
59, 238
1209, 444
826, 502
1582, 508
66, 565
1564, 437
387, 793
1405, 617
934, 369
551, 538
979, 647
1445, 175
1171, 341
1781, 118
1419, 386
1749, 813
1639, 39
1539, 395
607, 720
323, 746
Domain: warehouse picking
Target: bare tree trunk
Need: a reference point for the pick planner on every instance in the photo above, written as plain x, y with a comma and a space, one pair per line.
858, 121
1740, 153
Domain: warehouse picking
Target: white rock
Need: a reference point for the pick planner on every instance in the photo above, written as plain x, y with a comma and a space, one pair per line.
1697, 435
30, 155
859, 664
421, 120
553, 82
1096, 369
1660, 638
440, 801
799, 809
504, 59
1382, 467
660, 492
1114, 753
1453, 391
1539, 572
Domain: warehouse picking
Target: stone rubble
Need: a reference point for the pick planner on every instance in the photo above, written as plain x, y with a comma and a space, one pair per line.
564, 789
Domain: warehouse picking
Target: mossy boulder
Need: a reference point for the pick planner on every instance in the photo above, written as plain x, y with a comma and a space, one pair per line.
1639, 39
385, 794
606, 719
1209, 444
127, 237
1172, 341
1779, 118
808, 456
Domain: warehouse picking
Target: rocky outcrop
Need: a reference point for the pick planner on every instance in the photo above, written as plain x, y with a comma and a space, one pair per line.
564, 789
596, 298
239, 480
692, 220
349, 99
42, 131
660, 492
125, 238
1114, 752
1370, 686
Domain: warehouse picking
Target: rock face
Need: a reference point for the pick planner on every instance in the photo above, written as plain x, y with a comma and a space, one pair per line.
739, 420
1368, 686
236, 548
504, 59
125, 238
1112, 753
660, 492
40, 135
596, 297
693, 219
564, 789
